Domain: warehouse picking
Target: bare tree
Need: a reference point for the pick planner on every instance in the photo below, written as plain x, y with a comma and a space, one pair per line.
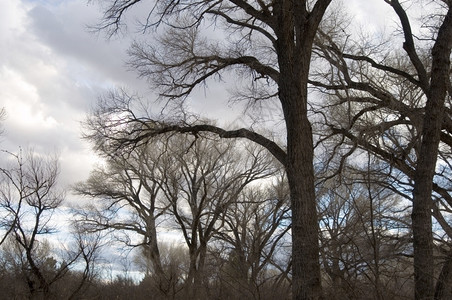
29, 197
365, 239
128, 194
179, 182
256, 230
86, 249
204, 179
175, 262
396, 106
268, 41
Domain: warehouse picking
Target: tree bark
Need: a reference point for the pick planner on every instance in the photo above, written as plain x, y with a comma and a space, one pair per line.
426, 164
306, 283
305, 249
296, 31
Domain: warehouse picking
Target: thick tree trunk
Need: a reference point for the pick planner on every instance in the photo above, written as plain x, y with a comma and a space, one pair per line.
194, 283
200, 283
426, 165
300, 173
422, 233
296, 31
305, 249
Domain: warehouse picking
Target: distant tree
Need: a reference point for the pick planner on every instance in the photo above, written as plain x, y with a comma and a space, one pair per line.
175, 262
129, 199
256, 229
203, 178
365, 240
29, 197
183, 183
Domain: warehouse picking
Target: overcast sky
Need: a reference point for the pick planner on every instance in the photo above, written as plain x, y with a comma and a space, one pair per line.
52, 70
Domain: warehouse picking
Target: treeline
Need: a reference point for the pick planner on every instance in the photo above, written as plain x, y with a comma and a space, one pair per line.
228, 204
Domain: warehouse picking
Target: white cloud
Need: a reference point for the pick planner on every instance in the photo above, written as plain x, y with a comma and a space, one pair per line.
370, 16
12, 18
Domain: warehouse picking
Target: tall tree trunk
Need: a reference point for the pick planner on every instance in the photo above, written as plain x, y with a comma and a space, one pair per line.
300, 174
425, 169
190, 282
296, 31
200, 284
305, 250
163, 282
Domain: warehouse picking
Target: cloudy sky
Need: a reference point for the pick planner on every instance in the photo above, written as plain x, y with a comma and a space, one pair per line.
52, 70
